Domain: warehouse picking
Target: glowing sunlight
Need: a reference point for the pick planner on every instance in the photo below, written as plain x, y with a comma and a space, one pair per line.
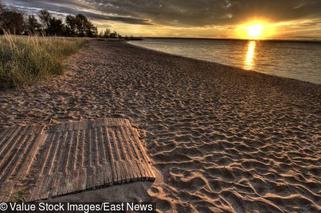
255, 30
250, 54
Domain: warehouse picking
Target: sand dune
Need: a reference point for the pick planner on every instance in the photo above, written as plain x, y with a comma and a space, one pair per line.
223, 140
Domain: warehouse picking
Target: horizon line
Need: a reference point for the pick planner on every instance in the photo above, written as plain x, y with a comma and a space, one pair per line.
236, 39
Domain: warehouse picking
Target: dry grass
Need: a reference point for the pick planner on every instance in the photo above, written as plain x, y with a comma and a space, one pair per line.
25, 60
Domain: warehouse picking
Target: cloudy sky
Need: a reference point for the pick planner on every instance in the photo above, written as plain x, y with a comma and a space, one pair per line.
188, 18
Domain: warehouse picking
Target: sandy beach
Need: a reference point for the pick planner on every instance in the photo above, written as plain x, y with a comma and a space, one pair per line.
222, 139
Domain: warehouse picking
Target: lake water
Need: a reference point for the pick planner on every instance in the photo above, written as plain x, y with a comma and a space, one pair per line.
297, 60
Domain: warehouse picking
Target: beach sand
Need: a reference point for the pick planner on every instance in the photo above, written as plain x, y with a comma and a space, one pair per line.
222, 139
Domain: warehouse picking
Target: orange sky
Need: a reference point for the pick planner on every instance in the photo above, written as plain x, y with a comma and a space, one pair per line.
272, 30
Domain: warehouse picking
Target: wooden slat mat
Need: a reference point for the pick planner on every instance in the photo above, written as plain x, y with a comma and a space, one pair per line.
39, 162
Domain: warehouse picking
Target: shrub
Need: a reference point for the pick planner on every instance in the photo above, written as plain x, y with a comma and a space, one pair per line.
26, 59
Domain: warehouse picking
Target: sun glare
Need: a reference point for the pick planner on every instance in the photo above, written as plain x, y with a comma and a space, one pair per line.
255, 30
250, 54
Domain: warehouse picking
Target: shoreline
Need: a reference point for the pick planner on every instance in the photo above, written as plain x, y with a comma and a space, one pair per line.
223, 140
225, 65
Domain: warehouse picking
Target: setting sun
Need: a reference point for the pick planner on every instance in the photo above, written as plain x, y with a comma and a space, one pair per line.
255, 30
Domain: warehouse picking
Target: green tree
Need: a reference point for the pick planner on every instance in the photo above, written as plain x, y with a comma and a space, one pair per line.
55, 27
11, 22
81, 24
44, 17
91, 30
107, 33
71, 25
84, 27
114, 35
32, 25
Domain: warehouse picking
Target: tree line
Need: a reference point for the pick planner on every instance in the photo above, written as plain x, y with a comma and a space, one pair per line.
14, 22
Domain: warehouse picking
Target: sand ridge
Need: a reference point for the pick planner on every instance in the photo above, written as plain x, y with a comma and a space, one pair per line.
224, 140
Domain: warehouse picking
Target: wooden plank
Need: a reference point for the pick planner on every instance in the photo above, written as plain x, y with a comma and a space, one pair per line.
83, 178
5, 134
55, 183
9, 162
65, 158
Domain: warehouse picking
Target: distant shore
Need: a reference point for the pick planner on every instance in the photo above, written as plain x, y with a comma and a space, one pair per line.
223, 139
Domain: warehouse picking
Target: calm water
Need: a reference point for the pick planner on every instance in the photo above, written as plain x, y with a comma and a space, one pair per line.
296, 60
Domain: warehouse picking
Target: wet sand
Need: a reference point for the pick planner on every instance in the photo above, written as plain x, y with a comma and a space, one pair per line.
222, 139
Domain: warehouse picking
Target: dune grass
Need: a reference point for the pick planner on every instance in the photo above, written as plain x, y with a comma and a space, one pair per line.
27, 59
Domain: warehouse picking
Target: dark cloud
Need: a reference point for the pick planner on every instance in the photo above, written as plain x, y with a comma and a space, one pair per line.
65, 7
182, 12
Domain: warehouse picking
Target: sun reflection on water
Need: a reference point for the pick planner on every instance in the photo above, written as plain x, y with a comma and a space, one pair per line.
250, 54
